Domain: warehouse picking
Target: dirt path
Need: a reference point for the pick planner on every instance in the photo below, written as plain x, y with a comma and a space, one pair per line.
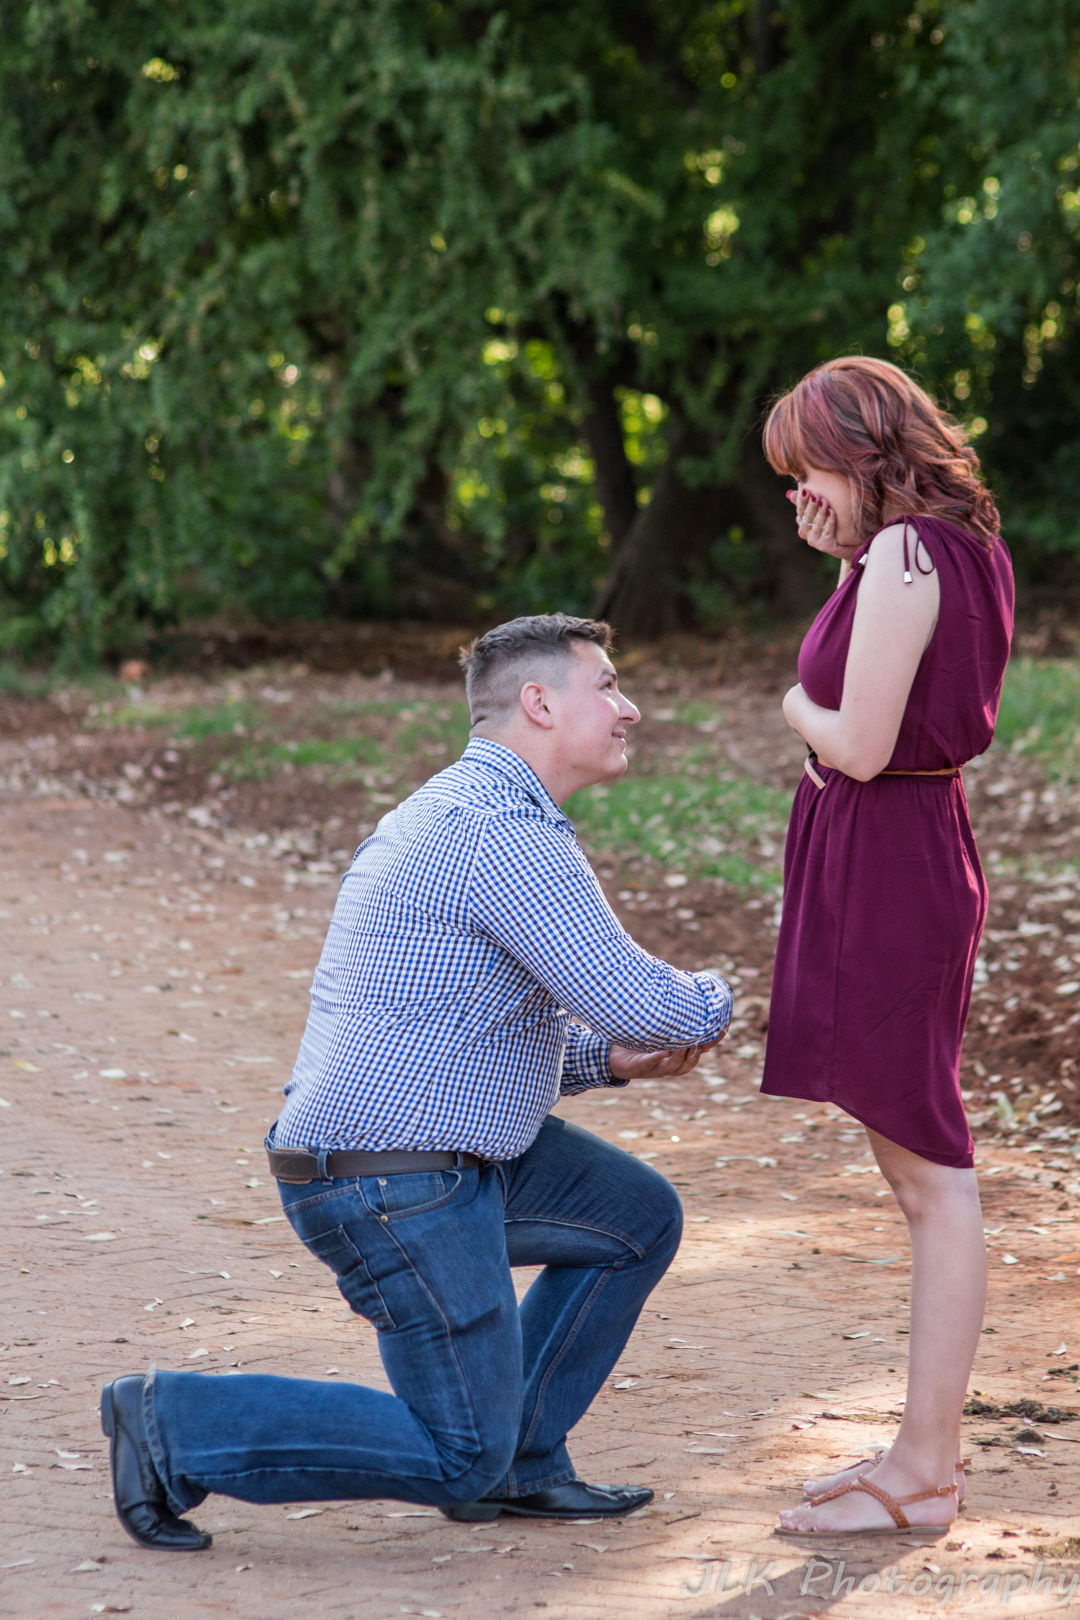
154, 990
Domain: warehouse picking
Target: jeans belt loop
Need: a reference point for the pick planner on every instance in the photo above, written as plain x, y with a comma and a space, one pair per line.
323, 1170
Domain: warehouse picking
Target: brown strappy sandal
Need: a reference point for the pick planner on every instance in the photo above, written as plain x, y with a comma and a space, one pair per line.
893, 1505
868, 1463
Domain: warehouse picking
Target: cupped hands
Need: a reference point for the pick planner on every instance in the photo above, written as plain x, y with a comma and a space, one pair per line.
627, 1063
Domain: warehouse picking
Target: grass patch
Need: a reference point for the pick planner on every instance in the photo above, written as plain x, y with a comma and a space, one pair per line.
1040, 714
393, 737
15, 682
220, 720
724, 826
448, 727
198, 722
345, 756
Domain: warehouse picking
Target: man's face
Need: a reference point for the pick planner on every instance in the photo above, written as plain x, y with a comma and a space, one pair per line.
591, 716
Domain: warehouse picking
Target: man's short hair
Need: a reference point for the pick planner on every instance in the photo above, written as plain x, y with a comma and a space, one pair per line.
498, 663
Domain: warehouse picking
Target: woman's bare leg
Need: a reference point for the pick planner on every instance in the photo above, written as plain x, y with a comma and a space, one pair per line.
948, 1298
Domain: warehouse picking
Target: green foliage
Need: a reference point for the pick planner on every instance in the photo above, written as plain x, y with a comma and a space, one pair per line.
988, 304
318, 307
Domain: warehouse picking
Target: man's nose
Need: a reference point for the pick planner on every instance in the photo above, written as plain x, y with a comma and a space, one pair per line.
629, 713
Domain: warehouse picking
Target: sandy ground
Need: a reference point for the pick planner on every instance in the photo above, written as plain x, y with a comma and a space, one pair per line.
154, 979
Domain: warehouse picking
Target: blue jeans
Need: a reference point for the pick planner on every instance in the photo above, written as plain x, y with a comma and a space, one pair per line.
484, 1393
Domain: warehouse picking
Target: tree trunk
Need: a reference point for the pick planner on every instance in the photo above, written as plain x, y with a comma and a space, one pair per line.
642, 595
670, 541
794, 569
614, 474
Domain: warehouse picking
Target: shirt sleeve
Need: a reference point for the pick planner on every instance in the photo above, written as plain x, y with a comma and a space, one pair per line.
585, 1062
534, 893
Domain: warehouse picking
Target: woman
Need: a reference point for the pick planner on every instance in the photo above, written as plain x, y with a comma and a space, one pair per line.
884, 899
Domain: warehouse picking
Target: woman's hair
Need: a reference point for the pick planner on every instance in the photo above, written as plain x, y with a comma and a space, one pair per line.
867, 420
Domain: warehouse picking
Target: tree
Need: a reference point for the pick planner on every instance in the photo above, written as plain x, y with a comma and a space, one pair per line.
438, 309
988, 304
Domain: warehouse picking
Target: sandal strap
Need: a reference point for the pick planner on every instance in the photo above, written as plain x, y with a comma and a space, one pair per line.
894, 1506
870, 1489
924, 1496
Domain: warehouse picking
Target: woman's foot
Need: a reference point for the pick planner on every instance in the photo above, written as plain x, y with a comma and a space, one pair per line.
855, 1509
817, 1487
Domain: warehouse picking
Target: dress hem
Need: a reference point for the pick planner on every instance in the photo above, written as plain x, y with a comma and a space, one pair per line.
951, 1161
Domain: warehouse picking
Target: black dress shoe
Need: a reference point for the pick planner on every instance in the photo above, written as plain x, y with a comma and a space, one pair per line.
138, 1492
574, 1500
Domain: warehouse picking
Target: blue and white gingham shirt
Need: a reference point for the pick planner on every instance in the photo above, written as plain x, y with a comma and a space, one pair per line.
468, 930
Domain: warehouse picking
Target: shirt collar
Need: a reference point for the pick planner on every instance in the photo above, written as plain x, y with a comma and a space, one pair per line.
495, 757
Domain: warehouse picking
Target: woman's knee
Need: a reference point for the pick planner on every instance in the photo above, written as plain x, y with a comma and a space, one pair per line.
929, 1192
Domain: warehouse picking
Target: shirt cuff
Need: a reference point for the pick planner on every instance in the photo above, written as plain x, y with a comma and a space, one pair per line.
725, 996
585, 1063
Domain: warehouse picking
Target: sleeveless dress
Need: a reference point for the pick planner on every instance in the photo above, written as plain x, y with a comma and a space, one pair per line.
884, 897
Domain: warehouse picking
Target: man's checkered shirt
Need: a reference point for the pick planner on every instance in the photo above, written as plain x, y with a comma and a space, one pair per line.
469, 931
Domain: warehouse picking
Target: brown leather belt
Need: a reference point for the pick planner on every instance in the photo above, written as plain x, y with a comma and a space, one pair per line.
812, 760
300, 1167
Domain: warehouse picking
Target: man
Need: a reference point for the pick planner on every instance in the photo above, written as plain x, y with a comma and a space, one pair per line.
417, 1154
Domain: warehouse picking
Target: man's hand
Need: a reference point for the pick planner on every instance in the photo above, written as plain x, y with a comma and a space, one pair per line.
626, 1063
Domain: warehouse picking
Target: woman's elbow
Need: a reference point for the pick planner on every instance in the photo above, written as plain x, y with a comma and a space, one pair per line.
864, 767
863, 762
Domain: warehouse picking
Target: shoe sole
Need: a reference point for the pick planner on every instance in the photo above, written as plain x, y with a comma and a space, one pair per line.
927, 1531
484, 1513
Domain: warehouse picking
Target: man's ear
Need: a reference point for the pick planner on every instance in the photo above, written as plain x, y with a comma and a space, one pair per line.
535, 705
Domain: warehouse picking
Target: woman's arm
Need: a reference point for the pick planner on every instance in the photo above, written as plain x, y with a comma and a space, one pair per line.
893, 624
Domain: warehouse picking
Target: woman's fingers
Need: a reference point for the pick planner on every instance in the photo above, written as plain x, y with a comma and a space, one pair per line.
816, 521
816, 515
824, 534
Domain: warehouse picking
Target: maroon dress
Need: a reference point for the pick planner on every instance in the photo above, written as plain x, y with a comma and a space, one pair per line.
884, 897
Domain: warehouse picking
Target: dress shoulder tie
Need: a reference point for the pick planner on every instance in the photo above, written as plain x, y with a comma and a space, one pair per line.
908, 576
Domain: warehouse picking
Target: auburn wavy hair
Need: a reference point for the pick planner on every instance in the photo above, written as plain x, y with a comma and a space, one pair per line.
869, 421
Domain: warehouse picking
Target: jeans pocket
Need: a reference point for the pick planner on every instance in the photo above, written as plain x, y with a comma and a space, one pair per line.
359, 1290
416, 1193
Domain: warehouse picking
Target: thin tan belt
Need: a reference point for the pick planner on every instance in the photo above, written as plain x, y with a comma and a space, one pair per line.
813, 760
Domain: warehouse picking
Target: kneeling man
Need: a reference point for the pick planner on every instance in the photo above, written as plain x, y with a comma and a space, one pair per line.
472, 971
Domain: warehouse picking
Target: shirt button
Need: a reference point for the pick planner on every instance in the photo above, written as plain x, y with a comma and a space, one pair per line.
384, 1218
382, 1181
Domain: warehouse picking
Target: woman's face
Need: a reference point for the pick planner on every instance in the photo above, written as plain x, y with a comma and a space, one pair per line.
836, 492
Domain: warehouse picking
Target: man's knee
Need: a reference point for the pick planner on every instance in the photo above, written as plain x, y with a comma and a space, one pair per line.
659, 1214
477, 1469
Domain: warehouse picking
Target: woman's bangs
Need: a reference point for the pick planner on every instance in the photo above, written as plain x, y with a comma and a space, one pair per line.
785, 443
